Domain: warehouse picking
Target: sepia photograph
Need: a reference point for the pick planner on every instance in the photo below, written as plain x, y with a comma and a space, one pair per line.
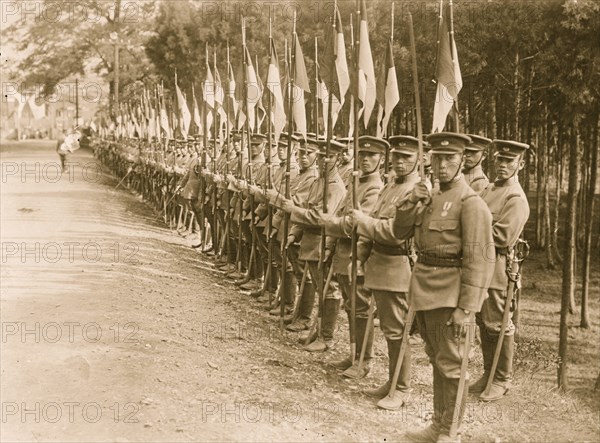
300, 221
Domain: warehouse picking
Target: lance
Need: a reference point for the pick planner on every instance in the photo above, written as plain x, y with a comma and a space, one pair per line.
225, 240
354, 270
286, 179
252, 261
217, 124
269, 271
410, 316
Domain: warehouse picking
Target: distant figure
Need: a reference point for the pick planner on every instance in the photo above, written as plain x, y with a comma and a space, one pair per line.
66, 145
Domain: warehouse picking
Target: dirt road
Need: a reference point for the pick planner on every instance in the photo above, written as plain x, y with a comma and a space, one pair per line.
113, 329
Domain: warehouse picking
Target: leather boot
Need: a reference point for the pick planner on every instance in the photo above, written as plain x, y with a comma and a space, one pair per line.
403, 383
331, 310
287, 293
450, 408
429, 434
346, 362
503, 375
361, 335
307, 300
401, 394
488, 347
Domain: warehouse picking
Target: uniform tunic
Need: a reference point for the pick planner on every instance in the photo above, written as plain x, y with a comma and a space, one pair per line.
387, 267
510, 211
306, 221
477, 179
339, 236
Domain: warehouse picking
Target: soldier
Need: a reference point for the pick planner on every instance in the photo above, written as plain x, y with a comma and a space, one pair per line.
475, 153
452, 228
345, 158
371, 152
388, 265
267, 198
256, 171
510, 212
300, 190
305, 219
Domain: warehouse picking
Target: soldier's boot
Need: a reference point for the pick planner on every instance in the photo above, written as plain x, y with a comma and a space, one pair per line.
307, 301
331, 310
245, 260
401, 394
503, 375
346, 362
287, 294
431, 432
488, 347
362, 334
272, 294
451, 408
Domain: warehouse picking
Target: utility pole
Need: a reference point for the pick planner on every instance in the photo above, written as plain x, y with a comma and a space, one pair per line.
76, 102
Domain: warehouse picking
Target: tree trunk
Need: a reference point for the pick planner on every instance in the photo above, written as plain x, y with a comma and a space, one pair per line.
539, 161
589, 220
575, 142
568, 268
549, 257
560, 168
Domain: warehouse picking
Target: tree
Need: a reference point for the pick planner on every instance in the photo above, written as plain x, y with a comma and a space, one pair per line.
72, 38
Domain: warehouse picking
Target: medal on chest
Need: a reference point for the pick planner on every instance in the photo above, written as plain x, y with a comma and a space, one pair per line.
446, 208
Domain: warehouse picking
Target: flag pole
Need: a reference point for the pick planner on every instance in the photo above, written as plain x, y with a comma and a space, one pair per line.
453, 56
288, 159
417, 96
269, 271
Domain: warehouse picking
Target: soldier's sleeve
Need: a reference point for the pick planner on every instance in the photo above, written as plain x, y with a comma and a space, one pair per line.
367, 203
378, 230
364, 247
296, 231
477, 267
185, 178
406, 215
510, 224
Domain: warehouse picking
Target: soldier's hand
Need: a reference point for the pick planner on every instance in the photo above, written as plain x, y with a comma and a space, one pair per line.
217, 178
355, 216
421, 191
254, 190
360, 268
272, 195
231, 178
242, 184
459, 322
290, 241
287, 205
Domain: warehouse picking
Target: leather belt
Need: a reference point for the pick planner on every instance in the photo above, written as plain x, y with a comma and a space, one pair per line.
445, 262
389, 250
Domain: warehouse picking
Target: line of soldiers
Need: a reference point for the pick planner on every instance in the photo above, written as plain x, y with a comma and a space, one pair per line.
285, 227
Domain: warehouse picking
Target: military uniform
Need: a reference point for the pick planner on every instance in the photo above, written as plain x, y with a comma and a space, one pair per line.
339, 233
510, 211
475, 176
305, 220
387, 265
451, 232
